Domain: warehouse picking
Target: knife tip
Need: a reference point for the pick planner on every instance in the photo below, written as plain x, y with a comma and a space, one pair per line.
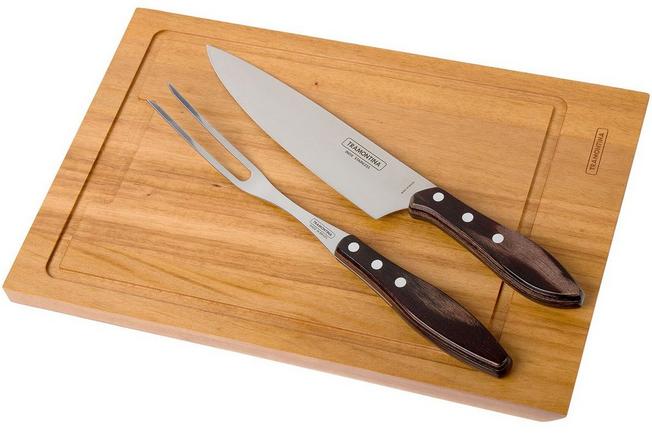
214, 51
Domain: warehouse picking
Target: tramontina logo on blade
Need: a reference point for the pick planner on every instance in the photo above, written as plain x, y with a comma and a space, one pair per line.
321, 228
362, 155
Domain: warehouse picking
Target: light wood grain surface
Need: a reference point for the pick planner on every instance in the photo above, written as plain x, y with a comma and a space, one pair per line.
139, 231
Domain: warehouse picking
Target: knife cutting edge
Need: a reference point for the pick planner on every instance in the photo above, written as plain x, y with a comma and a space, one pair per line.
380, 184
425, 307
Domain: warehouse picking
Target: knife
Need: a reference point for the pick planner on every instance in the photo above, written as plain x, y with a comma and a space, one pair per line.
425, 307
380, 184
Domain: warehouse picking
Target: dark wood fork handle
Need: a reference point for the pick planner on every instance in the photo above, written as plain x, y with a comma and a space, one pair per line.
517, 260
427, 308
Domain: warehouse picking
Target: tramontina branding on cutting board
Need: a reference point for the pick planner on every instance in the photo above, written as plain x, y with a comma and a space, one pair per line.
599, 142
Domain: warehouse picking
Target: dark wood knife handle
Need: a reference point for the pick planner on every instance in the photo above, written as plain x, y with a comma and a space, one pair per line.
427, 308
517, 260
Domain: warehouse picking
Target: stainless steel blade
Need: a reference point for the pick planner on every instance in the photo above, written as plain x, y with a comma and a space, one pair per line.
345, 159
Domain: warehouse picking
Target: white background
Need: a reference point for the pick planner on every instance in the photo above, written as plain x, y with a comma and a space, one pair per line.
64, 374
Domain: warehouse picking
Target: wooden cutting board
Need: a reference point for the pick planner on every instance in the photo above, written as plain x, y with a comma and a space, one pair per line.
137, 230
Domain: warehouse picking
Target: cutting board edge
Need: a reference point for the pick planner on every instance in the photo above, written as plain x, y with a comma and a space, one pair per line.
147, 13
47, 209
461, 397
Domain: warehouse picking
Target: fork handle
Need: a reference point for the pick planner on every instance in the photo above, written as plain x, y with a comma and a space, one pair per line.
427, 308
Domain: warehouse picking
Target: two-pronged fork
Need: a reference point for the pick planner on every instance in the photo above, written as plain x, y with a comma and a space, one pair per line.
427, 308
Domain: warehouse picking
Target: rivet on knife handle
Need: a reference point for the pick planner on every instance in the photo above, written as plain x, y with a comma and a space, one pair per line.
520, 262
427, 308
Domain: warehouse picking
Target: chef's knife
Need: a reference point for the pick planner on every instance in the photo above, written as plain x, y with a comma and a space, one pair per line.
380, 184
428, 309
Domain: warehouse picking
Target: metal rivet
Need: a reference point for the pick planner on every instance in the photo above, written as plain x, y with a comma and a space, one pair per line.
400, 282
467, 217
353, 247
438, 197
377, 264
498, 238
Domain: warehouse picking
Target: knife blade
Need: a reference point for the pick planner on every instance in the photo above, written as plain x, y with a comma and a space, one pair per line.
380, 184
